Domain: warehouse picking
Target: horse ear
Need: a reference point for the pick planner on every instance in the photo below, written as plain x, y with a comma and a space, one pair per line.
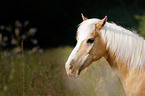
83, 17
101, 23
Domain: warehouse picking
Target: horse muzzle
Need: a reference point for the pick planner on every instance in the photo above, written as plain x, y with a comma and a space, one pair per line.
72, 71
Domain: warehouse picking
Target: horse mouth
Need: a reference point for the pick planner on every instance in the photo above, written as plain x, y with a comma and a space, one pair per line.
85, 64
77, 73
73, 75
80, 69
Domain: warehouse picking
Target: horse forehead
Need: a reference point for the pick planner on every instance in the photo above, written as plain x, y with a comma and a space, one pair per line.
83, 34
86, 28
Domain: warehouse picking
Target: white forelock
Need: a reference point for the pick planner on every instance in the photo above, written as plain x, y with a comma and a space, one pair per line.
123, 44
86, 28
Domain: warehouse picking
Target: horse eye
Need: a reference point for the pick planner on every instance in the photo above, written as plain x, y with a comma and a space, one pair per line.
91, 40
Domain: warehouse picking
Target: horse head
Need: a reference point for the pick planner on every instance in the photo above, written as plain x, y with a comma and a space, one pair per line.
89, 48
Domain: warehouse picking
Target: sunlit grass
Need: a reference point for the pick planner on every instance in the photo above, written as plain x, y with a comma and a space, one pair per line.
44, 75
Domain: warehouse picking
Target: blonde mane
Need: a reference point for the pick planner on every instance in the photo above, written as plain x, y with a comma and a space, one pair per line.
123, 44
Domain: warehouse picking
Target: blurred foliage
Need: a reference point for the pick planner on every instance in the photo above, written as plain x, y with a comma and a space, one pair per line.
141, 27
45, 75
18, 36
12, 35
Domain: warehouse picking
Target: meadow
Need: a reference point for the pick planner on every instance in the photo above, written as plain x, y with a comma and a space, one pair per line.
44, 75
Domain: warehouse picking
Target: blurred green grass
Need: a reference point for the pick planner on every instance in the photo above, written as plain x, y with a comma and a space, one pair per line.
44, 75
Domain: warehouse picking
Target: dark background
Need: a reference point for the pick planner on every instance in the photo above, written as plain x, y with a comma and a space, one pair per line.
57, 20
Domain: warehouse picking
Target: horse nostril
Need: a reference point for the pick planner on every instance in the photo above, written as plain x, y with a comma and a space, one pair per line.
71, 67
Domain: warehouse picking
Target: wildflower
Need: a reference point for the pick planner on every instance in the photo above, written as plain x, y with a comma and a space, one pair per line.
23, 36
49, 85
26, 23
29, 52
17, 50
17, 32
13, 42
34, 49
2, 27
35, 41
5, 38
18, 23
7, 54
32, 31
41, 50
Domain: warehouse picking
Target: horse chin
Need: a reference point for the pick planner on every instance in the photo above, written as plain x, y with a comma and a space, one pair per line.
74, 75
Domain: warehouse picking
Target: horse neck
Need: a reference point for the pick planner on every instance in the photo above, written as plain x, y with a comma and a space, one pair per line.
121, 69
125, 47
117, 66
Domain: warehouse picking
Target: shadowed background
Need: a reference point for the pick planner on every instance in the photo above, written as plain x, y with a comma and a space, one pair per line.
57, 20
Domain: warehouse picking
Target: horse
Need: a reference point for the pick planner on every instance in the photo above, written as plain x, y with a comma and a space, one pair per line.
123, 49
